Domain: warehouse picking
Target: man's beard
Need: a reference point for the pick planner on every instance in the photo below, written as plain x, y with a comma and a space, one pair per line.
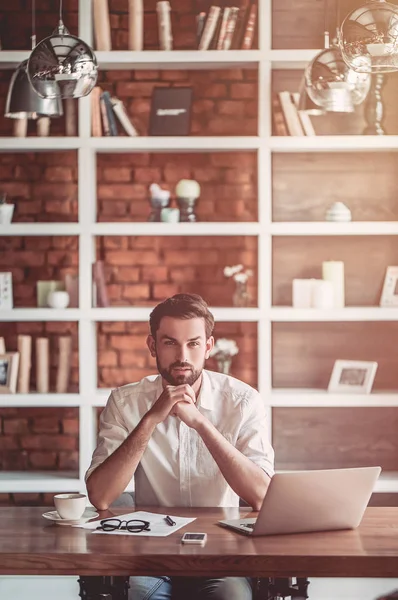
187, 378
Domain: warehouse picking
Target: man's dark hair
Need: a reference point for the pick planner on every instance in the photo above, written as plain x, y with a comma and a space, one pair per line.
182, 306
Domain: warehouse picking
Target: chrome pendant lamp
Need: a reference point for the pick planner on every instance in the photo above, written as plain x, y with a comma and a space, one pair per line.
62, 65
330, 83
368, 38
22, 101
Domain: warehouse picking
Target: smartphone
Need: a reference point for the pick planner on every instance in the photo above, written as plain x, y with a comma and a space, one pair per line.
194, 538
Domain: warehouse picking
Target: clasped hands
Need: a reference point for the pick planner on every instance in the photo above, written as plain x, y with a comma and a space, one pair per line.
178, 401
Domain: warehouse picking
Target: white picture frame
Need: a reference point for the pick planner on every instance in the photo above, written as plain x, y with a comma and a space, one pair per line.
352, 377
389, 294
9, 363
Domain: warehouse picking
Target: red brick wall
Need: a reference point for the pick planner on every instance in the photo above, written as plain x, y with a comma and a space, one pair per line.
139, 270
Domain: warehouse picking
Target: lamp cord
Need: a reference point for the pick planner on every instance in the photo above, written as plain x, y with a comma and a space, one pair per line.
326, 41
33, 36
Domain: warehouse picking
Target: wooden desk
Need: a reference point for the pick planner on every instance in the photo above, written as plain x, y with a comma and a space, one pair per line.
30, 545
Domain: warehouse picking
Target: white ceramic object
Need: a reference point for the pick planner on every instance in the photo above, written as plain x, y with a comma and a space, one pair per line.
170, 215
338, 212
58, 299
70, 506
6, 212
53, 515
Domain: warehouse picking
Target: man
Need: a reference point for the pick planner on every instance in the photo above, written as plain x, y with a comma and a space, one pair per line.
188, 436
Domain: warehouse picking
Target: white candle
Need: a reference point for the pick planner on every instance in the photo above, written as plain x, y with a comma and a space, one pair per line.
333, 271
302, 293
322, 294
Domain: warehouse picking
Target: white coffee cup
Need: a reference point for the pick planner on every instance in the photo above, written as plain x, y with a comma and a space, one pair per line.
70, 506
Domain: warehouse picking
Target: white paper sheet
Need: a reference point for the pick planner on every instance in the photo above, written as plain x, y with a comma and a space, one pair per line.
159, 527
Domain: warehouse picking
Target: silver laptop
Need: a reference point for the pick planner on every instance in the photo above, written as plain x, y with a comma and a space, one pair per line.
305, 501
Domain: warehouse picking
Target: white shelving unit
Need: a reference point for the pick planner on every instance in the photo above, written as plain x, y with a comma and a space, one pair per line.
89, 397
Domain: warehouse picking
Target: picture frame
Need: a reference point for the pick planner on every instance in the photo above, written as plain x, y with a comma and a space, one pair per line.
389, 294
171, 111
9, 363
352, 377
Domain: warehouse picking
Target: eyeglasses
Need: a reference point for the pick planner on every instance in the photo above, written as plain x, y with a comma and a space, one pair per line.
133, 526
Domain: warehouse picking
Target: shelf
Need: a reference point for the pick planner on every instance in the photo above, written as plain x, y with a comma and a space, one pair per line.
291, 59
43, 481
334, 143
328, 228
27, 229
179, 59
132, 313
189, 143
312, 398
157, 59
39, 144
351, 313
34, 400
40, 314
184, 229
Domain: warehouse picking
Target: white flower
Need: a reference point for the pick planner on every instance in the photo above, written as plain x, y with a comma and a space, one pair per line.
231, 271
224, 348
241, 277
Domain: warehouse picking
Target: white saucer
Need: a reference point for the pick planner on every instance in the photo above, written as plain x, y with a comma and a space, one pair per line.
88, 514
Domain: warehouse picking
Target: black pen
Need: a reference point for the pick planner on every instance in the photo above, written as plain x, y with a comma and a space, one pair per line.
169, 520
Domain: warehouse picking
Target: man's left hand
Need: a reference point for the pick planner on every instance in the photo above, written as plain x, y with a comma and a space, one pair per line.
188, 413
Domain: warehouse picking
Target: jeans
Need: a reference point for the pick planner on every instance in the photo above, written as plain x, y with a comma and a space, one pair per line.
194, 588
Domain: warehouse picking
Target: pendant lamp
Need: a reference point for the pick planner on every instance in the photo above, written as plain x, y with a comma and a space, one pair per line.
62, 65
329, 81
368, 38
332, 85
22, 101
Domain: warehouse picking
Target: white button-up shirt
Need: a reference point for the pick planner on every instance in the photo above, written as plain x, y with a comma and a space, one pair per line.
176, 468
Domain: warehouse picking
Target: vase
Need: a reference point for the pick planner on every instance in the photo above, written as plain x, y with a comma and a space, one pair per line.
241, 295
224, 365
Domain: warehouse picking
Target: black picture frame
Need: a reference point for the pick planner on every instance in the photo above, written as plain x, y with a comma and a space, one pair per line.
171, 111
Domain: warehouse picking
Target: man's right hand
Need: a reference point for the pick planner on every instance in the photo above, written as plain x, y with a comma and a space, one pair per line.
168, 398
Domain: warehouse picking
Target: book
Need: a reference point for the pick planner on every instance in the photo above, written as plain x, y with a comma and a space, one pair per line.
136, 25
100, 284
170, 111
70, 116
240, 24
110, 115
25, 363
102, 28
231, 23
248, 36
42, 365
278, 118
223, 28
96, 125
216, 34
200, 23
290, 113
124, 120
209, 28
304, 117
105, 121
64, 362
164, 25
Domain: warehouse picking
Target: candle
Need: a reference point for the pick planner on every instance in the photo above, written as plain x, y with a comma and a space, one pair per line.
322, 294
333, 271
302, 293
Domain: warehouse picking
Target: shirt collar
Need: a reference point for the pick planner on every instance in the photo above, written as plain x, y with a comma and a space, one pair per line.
206, 398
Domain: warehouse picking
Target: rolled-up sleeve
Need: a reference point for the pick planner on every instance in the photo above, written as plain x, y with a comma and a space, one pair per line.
253, 440
112, 433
